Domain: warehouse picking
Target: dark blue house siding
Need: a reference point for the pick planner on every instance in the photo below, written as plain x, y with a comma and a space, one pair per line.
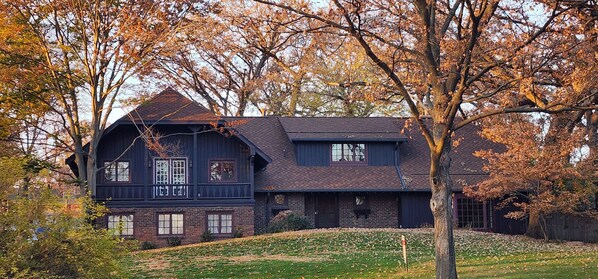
112, 147
414, 210
380, 154
318, 153
178, 142
212, 146
313, 153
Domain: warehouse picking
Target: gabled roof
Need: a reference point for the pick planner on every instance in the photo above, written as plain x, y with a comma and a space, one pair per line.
274, 138
170, 106
284, 175
341, 129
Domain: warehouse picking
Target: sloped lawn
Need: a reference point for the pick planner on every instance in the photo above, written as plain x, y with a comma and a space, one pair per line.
365, 253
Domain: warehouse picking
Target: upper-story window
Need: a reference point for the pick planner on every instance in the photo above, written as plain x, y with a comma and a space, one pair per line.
117, 171
170, 171
348, 153
222, 171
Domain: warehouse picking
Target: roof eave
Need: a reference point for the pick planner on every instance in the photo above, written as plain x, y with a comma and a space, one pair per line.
351, 139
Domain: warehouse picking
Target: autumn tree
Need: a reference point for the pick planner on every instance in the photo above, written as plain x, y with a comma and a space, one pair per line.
443, 55
90, 49
539, 173
345, 82
230, 55
550, 162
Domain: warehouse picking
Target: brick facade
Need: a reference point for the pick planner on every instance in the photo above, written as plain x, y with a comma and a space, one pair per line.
145, 222
384, 210
264, 208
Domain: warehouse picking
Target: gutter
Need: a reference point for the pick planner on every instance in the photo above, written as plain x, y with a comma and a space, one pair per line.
397, 161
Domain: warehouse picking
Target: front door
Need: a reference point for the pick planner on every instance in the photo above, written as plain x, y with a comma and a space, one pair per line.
326, 210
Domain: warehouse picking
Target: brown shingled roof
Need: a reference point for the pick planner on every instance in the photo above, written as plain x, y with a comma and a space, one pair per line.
170, 106
341, 128
283, 173
275, 135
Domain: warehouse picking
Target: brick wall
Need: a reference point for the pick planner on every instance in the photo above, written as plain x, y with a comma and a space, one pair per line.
384, 210
145, 221
383, 214
261, 218
263, 210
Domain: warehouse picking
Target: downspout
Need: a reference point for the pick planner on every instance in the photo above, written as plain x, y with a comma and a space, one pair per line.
267, 210
397, 161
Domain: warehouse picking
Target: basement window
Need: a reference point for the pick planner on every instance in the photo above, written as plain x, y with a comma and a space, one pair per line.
122, 224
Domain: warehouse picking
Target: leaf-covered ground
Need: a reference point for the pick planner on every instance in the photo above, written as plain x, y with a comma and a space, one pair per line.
366, 253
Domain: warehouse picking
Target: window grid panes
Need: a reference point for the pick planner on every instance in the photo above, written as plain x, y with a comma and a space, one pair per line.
171, 172
121, 224
116, 171
122, 170
179, 177
222, 171
213, 220
170, 224
348, 152
471, 213
220, 223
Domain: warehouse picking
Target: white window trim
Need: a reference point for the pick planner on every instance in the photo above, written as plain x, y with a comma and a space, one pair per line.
161, 191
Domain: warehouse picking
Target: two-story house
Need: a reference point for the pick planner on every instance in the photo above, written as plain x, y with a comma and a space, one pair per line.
337, 171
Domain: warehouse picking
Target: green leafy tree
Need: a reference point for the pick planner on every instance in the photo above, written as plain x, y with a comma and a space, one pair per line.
43, 237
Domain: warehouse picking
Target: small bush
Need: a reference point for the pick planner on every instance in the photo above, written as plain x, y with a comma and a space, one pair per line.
173, 241
288, 221
206, 236
238, 233
148, 245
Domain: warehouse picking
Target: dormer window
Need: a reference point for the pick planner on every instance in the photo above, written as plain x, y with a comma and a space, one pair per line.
348, 153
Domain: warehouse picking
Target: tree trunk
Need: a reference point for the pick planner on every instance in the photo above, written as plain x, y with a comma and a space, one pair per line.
533, 225
92, 171
537, 226
295, 91
441, 205
81, 168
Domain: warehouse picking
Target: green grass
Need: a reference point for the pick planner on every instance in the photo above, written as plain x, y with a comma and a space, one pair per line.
361, 253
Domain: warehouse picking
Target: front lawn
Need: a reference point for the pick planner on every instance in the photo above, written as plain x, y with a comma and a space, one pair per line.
365, 253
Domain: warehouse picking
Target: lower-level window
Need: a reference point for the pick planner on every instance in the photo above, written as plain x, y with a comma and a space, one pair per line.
472, 213
122, 224
170, 224
220, 223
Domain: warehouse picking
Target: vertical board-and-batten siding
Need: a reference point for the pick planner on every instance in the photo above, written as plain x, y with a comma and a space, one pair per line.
313, 153
380, 153
211, 145
318, 153
113, 146
415, 210
214, 146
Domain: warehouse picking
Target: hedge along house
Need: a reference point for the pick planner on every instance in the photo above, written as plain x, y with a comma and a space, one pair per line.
338, 172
